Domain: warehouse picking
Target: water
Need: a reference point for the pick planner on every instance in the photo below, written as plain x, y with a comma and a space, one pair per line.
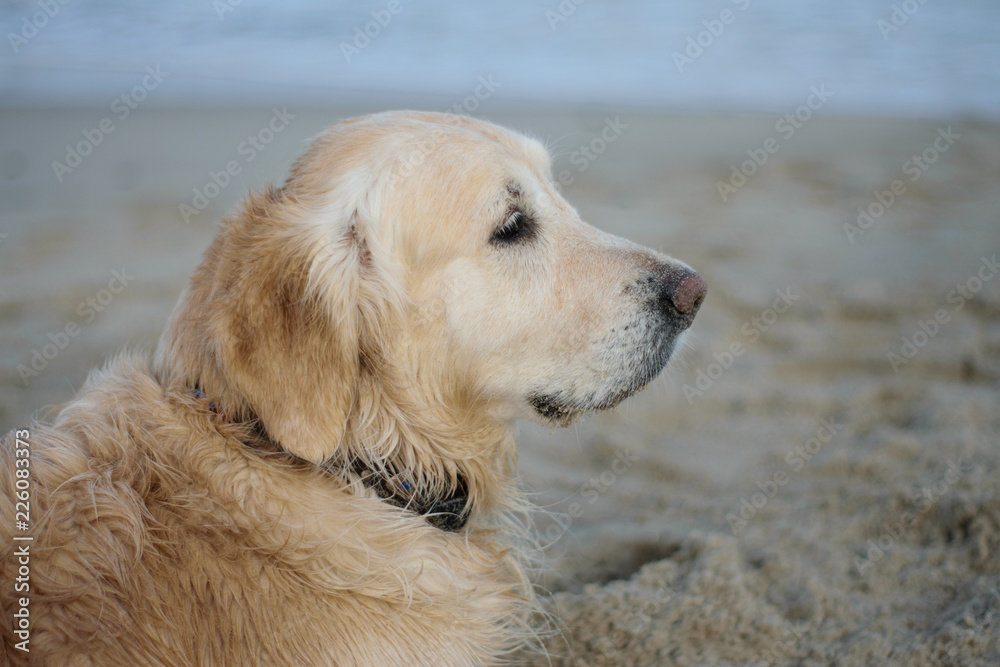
943, 60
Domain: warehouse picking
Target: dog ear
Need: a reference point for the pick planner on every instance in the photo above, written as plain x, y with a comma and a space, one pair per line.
289, 335
275, 320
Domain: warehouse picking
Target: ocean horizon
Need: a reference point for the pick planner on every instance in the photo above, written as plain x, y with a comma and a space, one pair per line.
916, 58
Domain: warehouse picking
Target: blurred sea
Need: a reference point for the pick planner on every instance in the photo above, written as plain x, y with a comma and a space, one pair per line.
940, 57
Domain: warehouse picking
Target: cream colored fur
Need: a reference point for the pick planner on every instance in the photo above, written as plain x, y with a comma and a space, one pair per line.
358, 318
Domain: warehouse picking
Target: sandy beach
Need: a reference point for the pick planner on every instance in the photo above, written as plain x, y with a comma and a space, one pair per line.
814, 480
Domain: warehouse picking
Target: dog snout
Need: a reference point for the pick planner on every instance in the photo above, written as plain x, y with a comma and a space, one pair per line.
681, 292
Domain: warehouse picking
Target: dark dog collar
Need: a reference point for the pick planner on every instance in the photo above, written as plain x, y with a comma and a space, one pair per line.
446, 513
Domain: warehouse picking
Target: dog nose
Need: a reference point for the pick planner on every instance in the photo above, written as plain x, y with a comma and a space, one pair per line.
682, 290
689, 292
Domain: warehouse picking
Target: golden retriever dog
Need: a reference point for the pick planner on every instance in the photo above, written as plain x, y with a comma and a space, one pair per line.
317, 464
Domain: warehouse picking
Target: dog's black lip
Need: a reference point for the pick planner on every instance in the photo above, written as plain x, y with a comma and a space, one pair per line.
549, 406
556, 406
552, 406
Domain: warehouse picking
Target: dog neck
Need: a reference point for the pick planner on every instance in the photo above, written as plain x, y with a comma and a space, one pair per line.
446, 511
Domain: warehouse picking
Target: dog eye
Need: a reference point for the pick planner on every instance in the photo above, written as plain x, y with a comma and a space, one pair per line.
517, 227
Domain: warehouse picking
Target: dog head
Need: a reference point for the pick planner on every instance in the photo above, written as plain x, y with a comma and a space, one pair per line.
424, 266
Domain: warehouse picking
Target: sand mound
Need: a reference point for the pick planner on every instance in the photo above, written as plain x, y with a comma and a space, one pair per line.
848, 579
